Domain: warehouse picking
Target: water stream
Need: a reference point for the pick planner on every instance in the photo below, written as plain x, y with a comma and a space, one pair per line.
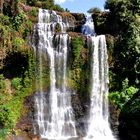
54, 115
98, 126
58, 121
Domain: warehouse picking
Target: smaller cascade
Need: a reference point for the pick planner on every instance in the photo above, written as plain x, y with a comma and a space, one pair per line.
88, 27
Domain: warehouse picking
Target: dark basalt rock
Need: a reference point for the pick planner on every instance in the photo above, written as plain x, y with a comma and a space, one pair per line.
75, 20
129, 119
80, 20
113, 119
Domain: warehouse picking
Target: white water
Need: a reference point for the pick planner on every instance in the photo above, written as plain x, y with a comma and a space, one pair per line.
99, 127
88, 27
58, 121
54, 115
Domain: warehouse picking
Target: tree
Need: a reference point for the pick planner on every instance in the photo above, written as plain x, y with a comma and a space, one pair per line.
126, 14
94, 10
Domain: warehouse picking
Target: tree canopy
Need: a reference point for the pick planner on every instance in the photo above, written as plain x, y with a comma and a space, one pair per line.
126, 14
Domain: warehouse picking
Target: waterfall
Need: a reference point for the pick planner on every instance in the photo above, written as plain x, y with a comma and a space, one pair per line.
54, 118
54, 115
88, 27
98, 126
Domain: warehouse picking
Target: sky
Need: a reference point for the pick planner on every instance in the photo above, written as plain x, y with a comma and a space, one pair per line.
80, 6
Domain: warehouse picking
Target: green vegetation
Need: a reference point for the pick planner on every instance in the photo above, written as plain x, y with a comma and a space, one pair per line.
121, 24
17, 65
2, 84
12, 94
129, 118
77, 44
16, 83
78, 72
17, 21
126, 49
46, 4
121, 97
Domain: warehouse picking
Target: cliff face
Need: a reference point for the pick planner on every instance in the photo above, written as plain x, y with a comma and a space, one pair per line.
80, 20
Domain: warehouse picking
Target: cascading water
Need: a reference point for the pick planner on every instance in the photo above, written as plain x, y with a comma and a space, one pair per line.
88, 27
54, 114
98, 128
58, 122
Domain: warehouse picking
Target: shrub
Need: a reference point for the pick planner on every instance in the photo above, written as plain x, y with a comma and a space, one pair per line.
121, 97
16, 83
33, 12
77, 44
31, 2
2, 82
3, 133
18, 42
17, 21
4, 20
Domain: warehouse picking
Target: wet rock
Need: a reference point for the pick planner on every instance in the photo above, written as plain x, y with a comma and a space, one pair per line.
80, 20
114, 115
68, 18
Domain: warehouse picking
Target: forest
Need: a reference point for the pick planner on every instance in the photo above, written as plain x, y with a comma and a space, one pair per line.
120, 23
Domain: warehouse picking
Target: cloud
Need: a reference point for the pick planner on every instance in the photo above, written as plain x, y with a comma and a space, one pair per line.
61, 1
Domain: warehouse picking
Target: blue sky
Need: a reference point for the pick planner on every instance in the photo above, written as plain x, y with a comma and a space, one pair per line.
81, 5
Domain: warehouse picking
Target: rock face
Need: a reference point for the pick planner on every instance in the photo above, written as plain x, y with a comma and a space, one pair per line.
129, 128
25, 123
80, 20
113, 119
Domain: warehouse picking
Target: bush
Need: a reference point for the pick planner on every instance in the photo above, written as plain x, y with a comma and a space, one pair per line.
121, 97
3, 133
18, 42
17, 21
77, 44
2, 83
10, 112
4, 20
31, 2
33, 12
16, 83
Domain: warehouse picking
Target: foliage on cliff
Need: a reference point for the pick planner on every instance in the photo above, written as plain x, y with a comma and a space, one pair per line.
119, 98
46, 4
127, 48
129, 122
16, 62
78, 72
121, 24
